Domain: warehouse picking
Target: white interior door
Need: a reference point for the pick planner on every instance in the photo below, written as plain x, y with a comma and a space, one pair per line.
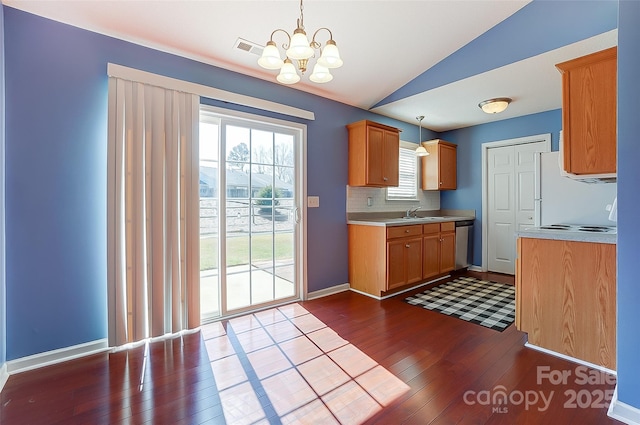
511, 200
501, 197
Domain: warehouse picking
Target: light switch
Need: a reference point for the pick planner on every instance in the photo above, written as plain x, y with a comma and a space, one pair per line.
313, 201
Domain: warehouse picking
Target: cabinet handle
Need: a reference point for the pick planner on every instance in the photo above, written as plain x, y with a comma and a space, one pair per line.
385, 179
406, 231
407, 246
440, 183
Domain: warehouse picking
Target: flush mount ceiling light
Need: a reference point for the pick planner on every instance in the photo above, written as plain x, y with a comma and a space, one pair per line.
494, 106
299, 48
420, 150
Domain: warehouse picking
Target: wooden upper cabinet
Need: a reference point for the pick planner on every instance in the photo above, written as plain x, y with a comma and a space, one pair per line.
374, 151
439, 167
589, 113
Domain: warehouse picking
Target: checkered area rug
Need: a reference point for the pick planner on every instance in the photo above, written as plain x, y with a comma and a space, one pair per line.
483, 302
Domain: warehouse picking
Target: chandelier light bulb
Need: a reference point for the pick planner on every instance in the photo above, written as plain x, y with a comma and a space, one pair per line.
270, 58
330, 57
288, 73
299, 47
320, 74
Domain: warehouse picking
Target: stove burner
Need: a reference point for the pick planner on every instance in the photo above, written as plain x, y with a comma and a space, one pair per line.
579, 228
552, 227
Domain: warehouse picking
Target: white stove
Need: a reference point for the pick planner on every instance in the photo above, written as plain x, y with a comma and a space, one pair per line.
580, 228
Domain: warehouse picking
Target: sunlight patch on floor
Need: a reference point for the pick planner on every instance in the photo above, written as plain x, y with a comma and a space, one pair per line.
286, 363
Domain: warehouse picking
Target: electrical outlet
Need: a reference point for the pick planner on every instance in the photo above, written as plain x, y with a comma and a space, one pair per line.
369, 201
313, 201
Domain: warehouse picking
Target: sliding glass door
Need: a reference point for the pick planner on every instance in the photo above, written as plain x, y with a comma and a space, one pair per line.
250, 183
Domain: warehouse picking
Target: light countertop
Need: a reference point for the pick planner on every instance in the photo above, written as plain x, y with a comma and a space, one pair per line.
568, 235
397, 221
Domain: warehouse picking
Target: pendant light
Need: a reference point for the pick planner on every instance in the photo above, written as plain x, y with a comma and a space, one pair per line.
420, 151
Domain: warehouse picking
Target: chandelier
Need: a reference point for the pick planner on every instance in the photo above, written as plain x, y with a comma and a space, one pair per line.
299, 48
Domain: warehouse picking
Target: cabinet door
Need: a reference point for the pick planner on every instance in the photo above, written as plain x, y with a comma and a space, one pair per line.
391, 158
396, 269
430, 169
413, 251
447, 252
430, 255
447, 167
375, 156
589, 113
439, 167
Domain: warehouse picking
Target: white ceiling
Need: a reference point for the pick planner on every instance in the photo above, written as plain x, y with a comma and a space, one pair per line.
384, 45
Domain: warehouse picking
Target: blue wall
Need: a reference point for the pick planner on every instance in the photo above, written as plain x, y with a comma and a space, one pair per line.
56, 117
3, 303
628, 202
468, 195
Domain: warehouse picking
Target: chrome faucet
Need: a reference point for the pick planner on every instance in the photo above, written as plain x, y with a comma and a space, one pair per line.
412, 211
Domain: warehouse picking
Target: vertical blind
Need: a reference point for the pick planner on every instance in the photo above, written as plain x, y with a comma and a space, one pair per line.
153, 238
407, 187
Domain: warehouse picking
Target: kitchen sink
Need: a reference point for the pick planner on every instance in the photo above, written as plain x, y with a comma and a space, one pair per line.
404, 219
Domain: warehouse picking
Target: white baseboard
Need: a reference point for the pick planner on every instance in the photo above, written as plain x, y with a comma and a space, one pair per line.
622, 411
571, 359
56, 356
328, 291
474, 268
4, 375
399, 292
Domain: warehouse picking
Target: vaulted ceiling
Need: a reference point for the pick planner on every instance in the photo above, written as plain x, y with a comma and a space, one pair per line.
401, 58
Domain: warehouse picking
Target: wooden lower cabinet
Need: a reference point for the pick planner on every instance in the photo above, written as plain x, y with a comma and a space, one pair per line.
438, 249
566, 297
385, 259
404, 262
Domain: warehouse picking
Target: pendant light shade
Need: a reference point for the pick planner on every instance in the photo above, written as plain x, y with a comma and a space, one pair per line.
420, 150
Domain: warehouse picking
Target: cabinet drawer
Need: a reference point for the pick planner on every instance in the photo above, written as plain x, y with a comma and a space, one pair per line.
403, 231
431, 228
449, 226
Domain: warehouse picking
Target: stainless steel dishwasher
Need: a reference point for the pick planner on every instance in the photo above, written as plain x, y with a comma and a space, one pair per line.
464, 243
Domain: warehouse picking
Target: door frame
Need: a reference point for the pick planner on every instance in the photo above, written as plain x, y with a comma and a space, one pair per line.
301, 196
545, 137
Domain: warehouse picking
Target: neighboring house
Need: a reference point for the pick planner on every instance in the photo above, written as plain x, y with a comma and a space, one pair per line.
238, 183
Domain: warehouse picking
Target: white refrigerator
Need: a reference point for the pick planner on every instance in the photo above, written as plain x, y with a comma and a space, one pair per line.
562, 200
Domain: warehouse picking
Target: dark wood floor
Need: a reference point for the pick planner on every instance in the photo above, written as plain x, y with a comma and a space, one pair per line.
454, 370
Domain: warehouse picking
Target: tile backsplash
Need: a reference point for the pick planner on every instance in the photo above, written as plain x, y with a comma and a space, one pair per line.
357, 198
